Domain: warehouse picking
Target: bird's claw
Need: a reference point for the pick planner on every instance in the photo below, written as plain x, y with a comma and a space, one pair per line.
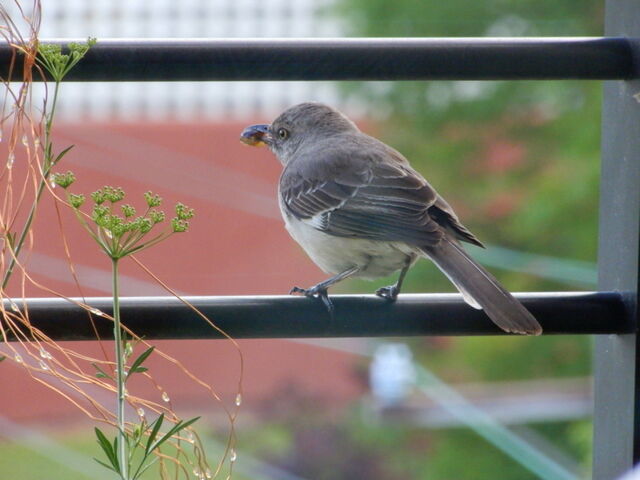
315, 292
390, 293
301, 291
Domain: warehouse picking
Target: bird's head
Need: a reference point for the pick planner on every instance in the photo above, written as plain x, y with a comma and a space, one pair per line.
300, 125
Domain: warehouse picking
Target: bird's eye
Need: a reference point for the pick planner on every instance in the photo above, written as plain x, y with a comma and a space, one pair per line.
283, 133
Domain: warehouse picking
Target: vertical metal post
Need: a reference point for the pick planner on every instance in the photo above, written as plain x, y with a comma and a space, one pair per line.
617, 394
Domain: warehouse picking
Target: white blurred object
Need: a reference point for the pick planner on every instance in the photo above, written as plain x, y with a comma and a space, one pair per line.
167, 101
392, 374
632, 474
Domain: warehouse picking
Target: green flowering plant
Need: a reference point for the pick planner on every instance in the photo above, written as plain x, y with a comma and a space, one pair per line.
57, 63
119, 232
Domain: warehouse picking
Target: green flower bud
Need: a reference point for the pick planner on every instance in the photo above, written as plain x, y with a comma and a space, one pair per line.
179, 225
134, 225
64, 180
113, 194
152, 199
98, 196
128, 211
156, 216
103, 221
76, 201
145, 225
118, 229
99, 211
183, 212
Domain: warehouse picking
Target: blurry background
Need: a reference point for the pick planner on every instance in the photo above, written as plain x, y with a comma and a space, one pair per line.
517, 160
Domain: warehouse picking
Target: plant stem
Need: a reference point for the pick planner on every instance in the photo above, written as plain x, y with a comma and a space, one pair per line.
49, 123
120, 373
47, 165
25, 230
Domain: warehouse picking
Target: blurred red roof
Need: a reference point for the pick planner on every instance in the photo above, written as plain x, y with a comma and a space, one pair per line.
237, 245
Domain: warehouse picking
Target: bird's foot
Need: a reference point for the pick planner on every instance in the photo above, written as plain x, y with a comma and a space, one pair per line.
390, 293
315, 292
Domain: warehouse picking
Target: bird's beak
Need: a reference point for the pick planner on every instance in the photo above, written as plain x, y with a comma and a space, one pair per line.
256, 135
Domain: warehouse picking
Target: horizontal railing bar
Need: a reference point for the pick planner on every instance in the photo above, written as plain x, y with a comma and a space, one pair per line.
299, 317
596, 58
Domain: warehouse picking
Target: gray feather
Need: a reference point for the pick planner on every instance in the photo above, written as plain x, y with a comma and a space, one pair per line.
481, 289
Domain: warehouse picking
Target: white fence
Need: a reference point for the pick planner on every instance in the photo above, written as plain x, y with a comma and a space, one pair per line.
185, 101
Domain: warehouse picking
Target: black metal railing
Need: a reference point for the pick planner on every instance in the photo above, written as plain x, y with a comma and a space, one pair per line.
352, 59
299, 317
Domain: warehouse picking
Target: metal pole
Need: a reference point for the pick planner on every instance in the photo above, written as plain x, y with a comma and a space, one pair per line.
298, 317
349, 59
616, 439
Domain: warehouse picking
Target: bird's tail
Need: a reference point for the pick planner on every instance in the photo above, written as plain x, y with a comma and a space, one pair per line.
480, 289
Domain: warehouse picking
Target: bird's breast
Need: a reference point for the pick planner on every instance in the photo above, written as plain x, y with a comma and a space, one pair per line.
335, 254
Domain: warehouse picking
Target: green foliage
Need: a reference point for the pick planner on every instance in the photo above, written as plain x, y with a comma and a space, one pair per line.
136, 365
60, 155
100, 373
413, 18
143, 440
140, 451
481, 461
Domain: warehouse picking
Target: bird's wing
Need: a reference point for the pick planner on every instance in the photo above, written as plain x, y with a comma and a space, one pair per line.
378, 196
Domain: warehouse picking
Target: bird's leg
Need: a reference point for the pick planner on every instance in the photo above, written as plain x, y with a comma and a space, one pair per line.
391, 292
320, 290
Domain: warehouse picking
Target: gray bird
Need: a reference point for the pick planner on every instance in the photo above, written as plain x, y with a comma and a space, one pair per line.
358, 209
